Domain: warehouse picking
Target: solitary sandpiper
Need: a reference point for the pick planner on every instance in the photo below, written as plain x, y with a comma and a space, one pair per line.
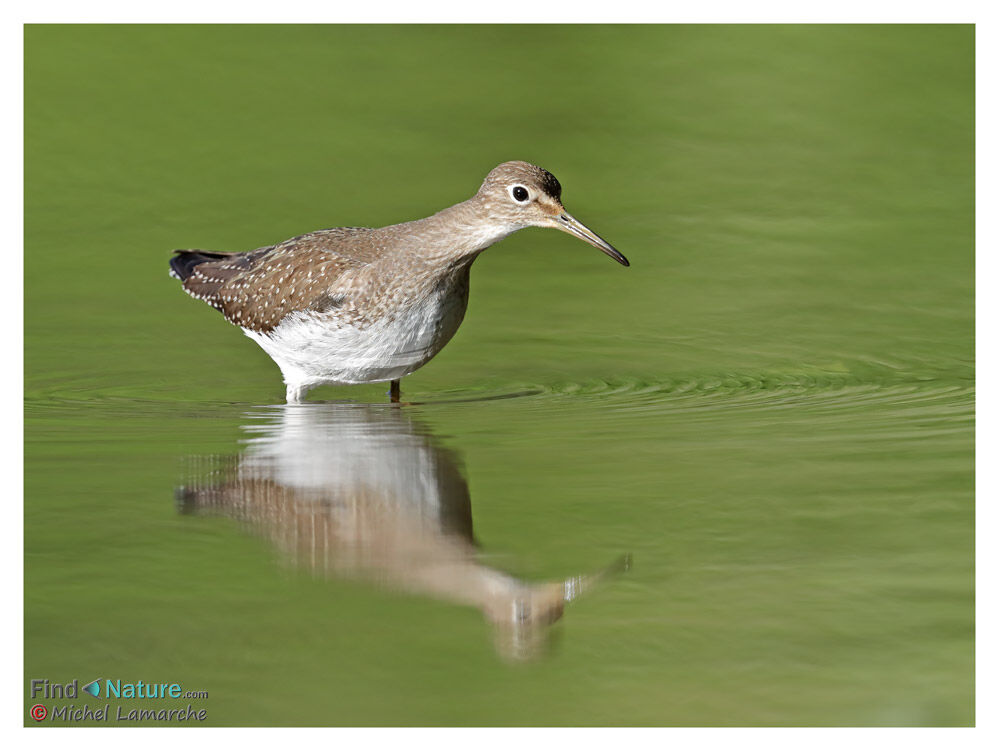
360, 305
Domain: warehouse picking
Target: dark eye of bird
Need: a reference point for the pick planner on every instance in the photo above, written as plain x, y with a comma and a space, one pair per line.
520, 193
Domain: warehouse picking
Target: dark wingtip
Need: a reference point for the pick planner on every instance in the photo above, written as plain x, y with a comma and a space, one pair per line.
184, 262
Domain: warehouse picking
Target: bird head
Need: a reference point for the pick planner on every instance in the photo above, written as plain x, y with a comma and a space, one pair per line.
520, 194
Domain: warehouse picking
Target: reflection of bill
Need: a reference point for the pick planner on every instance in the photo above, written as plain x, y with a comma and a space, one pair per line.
359, 491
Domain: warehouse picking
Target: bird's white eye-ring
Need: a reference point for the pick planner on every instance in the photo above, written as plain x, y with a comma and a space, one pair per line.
519, 193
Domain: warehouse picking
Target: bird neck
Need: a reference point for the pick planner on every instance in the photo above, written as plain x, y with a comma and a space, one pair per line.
461, 232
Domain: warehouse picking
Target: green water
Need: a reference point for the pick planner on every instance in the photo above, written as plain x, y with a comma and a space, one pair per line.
771, 411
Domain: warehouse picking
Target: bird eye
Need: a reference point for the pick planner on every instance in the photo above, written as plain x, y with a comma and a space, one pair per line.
519, 193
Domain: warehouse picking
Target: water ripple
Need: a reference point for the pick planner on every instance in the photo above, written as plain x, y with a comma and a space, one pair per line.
866, 385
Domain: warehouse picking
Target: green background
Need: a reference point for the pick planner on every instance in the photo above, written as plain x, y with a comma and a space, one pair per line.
771, 410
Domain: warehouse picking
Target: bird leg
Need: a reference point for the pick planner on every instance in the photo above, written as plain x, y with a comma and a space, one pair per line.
394, 391
295, 393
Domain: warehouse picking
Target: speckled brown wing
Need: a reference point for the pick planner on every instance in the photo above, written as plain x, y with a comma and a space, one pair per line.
257, 289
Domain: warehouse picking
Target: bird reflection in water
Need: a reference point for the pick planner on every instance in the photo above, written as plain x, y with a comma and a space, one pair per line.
359, 491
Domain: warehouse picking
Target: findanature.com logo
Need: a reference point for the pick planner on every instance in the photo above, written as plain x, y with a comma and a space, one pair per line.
41, 688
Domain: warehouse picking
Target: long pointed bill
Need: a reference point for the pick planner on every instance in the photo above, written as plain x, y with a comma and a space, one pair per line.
569, 223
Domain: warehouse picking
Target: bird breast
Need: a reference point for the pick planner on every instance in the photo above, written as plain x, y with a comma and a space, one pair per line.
393, 339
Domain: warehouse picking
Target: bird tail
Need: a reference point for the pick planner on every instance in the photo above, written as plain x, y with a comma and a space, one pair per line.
184, 262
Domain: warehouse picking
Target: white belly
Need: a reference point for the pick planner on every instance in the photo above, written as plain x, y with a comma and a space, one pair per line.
322, 348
